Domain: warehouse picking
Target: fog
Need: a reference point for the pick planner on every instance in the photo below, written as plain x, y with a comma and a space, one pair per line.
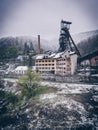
33, 17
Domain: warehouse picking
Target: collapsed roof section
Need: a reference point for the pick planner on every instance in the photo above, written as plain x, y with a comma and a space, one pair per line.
55, 55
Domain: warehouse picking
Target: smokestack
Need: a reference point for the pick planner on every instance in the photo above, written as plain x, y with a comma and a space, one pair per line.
38, 44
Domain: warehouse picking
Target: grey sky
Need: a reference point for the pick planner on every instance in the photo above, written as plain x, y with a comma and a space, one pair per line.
33, 17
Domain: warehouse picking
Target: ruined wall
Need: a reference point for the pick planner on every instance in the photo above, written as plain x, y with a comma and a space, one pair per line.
73, 58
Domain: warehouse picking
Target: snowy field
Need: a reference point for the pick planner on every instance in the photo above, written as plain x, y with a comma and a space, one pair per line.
70, 107
80, 101
70, 88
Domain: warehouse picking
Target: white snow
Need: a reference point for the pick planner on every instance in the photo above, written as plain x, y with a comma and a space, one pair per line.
41, 56
48, 96
61, 98
58, 55
95, 98
67, 88
19, 68
52, 55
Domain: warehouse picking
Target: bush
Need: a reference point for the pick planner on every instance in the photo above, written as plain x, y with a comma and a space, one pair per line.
30, 84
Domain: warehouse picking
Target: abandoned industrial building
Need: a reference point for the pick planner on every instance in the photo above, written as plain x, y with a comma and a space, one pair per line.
63, 62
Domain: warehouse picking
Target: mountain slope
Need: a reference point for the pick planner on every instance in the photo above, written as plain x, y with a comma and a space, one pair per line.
84, 36
85, 42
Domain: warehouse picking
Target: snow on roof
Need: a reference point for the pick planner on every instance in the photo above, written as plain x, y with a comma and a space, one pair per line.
58, 55
52, 55
41, 56
21, 68
72, 52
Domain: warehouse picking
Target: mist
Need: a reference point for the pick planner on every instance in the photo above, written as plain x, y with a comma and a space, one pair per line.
33, 17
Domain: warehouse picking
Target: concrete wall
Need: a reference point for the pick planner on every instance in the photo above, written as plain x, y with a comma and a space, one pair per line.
73, 58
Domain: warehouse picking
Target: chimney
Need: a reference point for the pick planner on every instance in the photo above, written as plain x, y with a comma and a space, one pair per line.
38, 44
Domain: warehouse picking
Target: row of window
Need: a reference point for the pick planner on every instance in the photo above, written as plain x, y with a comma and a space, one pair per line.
47, 60
61, 68
42, 68
61, 59
44, 60
52, 68
44, 64
58, 65
61, 63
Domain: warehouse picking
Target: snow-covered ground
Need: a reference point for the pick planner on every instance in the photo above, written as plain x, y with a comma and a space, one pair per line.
67, 97
68, 88
72, 106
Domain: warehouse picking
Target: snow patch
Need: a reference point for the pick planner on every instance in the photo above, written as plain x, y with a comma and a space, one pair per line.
48, 96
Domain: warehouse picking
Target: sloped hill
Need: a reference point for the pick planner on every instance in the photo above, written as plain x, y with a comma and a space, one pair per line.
84, 36
10, 47
86, 42
19, 41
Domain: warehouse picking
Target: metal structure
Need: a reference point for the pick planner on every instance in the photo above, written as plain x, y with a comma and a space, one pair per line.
65, 41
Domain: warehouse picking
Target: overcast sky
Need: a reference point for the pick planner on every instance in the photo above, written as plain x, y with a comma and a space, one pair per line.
33, 17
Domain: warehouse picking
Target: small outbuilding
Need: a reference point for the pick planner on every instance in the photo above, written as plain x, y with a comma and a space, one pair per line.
20, 69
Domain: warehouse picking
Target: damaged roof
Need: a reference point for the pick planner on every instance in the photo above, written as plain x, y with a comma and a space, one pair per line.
54, 55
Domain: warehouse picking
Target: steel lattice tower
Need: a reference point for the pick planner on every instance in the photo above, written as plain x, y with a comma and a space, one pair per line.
65, 40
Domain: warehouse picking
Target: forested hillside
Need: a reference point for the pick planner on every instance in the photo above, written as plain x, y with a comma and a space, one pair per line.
89, 45
11, 47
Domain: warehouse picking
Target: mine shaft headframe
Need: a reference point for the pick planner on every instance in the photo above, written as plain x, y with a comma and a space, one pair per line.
65, 39
65, 24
